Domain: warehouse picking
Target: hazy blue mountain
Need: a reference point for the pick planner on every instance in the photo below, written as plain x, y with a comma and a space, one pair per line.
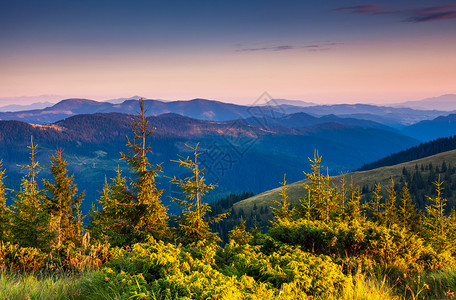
443, 126
302, 119
274, 102
212, 110
27, 100
121, 100
390, 116
198, 108
18, 107
444, 102
59, 111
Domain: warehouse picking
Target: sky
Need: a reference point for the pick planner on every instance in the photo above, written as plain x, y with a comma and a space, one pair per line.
233, 51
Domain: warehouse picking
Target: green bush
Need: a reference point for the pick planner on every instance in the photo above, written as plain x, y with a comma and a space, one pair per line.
159, 270
287, 267
367, 240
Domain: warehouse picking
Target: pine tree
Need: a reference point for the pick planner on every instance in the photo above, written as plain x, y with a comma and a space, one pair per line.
239, 234
437, 224
193, 226
30, 222
149, 216
390, 205
375, 205
436, 220
341, 195
113, 222
354, 208
406, 209
62, 202
4, 210
283, 211
319, 201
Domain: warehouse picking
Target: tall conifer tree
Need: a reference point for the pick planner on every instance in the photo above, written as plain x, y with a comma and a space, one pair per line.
375, 206
4, 210
193, 225
406, 209
390, 212
30, 222
114, 221
354, 209
63, 202
150, 215
130, 215
283, 211
319, 201
438, 226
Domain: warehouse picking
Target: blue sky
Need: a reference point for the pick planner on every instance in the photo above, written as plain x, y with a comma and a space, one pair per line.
320, 51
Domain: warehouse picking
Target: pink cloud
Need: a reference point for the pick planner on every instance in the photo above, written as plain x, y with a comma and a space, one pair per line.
373, 9
433, 13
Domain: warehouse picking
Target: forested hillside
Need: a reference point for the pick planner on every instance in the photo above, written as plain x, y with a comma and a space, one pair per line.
418, 175
422, 150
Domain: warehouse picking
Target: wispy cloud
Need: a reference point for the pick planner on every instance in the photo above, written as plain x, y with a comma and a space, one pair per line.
311, 47
275, 48
426, 14
373, 9
433, 13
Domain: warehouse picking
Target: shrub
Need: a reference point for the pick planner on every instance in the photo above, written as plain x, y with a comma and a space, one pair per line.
367, 240
287, 268
157, 269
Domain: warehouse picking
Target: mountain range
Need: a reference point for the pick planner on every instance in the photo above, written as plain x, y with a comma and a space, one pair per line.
33, 106
212, 110
237, 155
444, 102
245, 148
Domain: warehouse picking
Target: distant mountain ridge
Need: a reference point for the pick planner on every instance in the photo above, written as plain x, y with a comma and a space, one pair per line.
213, 110
426, 130
391, 116
444, 102
197, 108
16, 107
290, 102
302, 119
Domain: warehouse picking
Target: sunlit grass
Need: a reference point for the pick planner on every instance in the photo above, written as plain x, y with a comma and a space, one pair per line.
38, 286
369, 289
434, 285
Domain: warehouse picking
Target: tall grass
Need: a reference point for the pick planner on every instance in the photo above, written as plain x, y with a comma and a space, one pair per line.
39, 286
434, 285
368, 288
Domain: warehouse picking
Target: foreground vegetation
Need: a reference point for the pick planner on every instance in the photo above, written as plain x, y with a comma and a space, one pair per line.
330, 245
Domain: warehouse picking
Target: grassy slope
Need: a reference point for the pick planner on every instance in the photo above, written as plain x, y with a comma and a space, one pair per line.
381, 175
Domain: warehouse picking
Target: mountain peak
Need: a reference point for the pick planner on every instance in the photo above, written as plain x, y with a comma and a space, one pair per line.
72, 102
445, 102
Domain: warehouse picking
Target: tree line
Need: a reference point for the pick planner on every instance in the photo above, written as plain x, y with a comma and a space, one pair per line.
422, 150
